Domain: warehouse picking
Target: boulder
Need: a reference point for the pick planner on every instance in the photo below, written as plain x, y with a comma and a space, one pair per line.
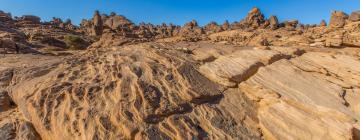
29, 20
97, 24
323, 23
274, 22
212, 27
255, 18
116, 21
355, 16
291, 24
56, 21
191, 31
226, 26
338, 19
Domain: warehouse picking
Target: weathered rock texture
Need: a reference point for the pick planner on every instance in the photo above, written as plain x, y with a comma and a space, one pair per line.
338, 19
253, 79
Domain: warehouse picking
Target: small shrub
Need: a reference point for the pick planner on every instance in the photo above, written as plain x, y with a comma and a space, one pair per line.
75, 42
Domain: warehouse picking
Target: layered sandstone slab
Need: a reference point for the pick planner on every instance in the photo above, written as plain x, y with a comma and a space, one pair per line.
135, 92
306, 97
238, 66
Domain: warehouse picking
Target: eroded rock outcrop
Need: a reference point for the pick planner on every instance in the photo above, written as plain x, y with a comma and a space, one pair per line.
5, 17
97, 24
296, 99
355, 16
29, 20
338, 19
255, 18
212, 27
323, 23
150, 94
254, 79
274, 23
237, 67
116, 21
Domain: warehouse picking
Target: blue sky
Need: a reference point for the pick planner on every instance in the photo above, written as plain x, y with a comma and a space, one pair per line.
180, 11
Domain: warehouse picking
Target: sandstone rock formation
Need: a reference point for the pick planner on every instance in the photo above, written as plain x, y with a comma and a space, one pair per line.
97, 24
212, 27
226, 25
295, 97
274, 23
254, 79
291, 24
29, 20
338, 19
116, 21
255, 18
191, 31
323, 23
355, 16
4, 17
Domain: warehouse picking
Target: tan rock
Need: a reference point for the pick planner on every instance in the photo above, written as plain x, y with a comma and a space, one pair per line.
141, 99
29, 20
5, 16
212, 27
234, 68
5, 101
26, 131
97, 24
346, 66
317, 44
355, 16
288, 51
286, 120
274, 22
307, 104
334, 41
323, 23
352, 97
255, 18
297, 88
291, 24
226, 25
338, 19
117, 21
233, 36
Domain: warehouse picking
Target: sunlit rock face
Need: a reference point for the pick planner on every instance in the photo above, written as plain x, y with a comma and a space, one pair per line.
112, 79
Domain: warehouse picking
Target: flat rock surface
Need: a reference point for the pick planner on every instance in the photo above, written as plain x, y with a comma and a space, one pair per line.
307, 88
238, 66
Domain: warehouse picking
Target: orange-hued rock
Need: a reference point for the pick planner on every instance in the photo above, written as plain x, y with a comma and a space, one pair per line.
238, 66
338, 19
110, 79
311, 100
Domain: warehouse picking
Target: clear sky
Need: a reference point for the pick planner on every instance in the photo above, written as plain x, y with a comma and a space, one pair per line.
180, 11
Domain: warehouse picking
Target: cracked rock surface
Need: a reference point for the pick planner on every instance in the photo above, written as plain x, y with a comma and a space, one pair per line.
249, 80
156, 91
